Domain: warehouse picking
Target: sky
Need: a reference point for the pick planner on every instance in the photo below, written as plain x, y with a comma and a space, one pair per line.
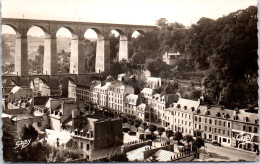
142, 12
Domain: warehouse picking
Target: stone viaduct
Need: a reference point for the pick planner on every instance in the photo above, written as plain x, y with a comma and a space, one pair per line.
77, 62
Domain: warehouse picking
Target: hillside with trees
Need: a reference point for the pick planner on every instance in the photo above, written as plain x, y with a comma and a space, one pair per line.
225, 50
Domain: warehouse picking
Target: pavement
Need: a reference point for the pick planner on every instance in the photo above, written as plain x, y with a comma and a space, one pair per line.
223, 154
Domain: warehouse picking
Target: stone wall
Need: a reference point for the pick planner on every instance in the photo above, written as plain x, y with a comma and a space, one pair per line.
131, 147
150, 152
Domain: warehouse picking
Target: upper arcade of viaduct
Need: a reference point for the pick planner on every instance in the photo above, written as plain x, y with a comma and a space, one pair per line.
77, 29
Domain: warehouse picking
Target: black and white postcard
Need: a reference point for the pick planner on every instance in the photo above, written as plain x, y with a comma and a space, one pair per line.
129, 81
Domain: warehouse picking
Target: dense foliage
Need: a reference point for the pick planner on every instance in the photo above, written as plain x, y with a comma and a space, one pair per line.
226, 49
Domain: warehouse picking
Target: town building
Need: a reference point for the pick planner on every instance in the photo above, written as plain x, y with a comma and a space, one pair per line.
116, 94
131, 103
96, 138
153, 82
171, 58
213, 123
183, 115
82, 93
159, 104
103, 94
143, 112
245, 126
147, 95
94, 91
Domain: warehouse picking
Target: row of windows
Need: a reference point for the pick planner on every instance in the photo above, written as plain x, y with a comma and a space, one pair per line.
182, 122
182, 114
81, 145
213, 130
249, 129
219, 123
115, 95
183, 130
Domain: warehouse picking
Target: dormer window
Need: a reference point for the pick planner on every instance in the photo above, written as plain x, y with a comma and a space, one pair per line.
185, 107
198, 111
235, 117
246, 119
178, 105
218, 114
207, 113
256, 121
192, 109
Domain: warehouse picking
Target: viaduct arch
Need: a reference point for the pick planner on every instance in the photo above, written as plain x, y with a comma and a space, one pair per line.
77, 29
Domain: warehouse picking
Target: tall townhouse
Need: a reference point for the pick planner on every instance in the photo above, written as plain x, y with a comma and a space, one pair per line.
103, 94
147, 95
245, 128
183, 115
214, 123
131, 103
116, 94
143, 112
94, 91
159, 104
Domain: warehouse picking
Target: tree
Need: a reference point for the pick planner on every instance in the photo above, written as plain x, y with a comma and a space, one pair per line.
188, 139
198, 143
152, 128
178, 136
169, 133
161, 22
130, 122
137, 124
29, 133
160, 131
124, 120
144, 125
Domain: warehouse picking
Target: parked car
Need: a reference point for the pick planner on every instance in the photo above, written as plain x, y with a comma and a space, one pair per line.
214, 142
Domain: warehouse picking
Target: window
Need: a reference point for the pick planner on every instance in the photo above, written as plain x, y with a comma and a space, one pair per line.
224, 124
81, 145
224, 140
205, 128
189, 116
219, 131
228, 124
87, 147
219, 123
195, 126
39, 124
224, 132
244, 128
209, 129
215, 130
210, 121
189, 123
228, 133
199, 126
205, 120
199, 119
181, 114
255, 130
75, 144
185, 115
250, 129
195, 118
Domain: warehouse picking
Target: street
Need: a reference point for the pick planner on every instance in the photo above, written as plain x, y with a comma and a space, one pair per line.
220, 153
